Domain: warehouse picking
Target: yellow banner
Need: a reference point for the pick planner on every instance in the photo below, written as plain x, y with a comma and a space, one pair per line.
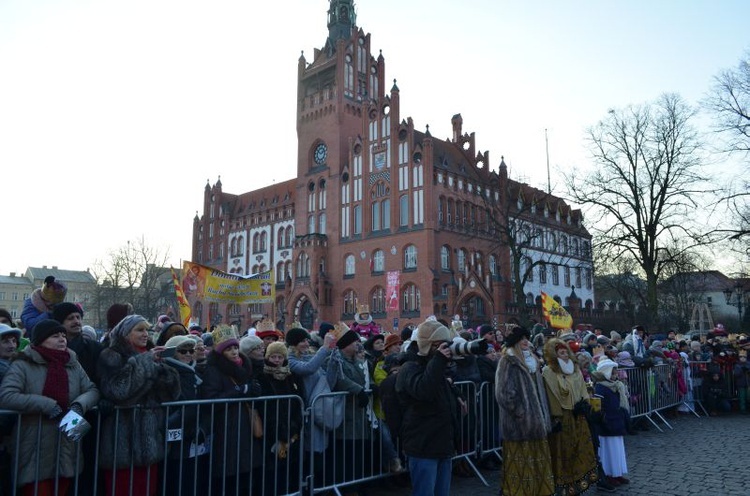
207, 284
556, 315
185, 313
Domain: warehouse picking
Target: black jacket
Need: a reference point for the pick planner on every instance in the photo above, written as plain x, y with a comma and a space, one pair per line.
431, 417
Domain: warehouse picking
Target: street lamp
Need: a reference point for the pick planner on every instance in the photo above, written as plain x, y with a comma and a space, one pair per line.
735, 296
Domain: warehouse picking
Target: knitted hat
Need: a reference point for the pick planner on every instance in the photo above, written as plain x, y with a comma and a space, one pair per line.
208, 339
250, 343
6, 330
431, 331
603, 340
64, 309
180, 341
485, 329
89, 332
116, 313
224, 337
624, 359
296, 335
277, 348
392, 339
324, 328
126, 325
615, 336
516, 336
45, 329
53, 291
346, 339
605, 366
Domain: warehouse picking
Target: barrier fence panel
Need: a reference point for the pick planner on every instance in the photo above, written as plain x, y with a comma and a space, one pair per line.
489, 420
358, 449
469, 446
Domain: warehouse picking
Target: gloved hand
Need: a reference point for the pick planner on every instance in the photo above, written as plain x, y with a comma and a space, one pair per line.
363, 399
55, 412
581, 408
255, 388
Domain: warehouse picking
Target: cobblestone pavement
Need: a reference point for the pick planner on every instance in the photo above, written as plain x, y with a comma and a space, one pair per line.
700, 456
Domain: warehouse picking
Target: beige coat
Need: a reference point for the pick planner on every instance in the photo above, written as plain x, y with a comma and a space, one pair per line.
21, 390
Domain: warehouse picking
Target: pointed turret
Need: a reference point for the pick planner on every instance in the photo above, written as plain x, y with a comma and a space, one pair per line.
341, 20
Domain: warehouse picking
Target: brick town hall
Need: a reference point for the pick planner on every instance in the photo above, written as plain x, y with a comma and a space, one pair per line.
384, 215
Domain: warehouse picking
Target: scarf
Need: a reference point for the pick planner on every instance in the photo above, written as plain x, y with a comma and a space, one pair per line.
567, 367
56, 382
619, 388
278, 373
530, 361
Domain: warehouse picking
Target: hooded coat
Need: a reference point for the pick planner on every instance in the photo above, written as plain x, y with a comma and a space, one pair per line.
22, 391
129, 378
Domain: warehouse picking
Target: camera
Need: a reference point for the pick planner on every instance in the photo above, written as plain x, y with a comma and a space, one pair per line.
465, 348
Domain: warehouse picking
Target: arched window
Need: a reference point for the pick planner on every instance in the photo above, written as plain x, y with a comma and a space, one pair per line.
289, 236
349, 265
461, 257
445, 257
542, 273
493, 265
280, 272
322, 222
263, 241
303, 265
377, 300
350, 302
411, 300
403, 210
378, 261
280, 240
410, 257
256, 243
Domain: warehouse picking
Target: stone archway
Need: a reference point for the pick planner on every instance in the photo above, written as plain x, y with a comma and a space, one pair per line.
474, 311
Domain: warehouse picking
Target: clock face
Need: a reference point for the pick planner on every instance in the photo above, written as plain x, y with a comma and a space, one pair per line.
321, 152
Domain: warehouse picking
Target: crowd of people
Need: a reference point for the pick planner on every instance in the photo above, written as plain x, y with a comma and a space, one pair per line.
563, 400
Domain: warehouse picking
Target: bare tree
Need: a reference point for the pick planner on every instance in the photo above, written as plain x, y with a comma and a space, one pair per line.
644, 192
134, 273
729, 103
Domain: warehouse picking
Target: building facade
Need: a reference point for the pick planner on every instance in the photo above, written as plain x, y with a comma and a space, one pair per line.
384, 215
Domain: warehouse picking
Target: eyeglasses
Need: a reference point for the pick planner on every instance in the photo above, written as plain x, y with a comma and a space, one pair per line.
186, 352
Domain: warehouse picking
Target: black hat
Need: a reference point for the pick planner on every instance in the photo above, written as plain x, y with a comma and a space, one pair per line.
45, 329
370, 343
324, 328
295, 336
485, 329
348, 338
6, 314
64, 309
516, 335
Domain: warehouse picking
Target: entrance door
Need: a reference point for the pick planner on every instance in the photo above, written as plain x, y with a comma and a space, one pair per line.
307, 315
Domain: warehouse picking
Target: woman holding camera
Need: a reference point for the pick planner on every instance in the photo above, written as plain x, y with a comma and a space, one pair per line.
524, 419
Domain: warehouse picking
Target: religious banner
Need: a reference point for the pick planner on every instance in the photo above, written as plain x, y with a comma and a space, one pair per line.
556, 315
392, 290
207, 284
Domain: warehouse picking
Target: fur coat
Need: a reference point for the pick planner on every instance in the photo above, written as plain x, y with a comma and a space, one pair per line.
22, 391
524, 412
128, 379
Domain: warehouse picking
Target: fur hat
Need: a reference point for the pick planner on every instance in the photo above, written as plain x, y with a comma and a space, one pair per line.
45, 329
169, 330
224, 337
64, 309
431, 331
605, 367
116, 313
296, 335
250, 343
53, 291
370, 343
126, 325
347, 338
6, 330
516, 336
275, 348
178, 341
392, 339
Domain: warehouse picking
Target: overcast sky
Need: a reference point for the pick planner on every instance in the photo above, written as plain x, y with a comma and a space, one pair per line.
114, 113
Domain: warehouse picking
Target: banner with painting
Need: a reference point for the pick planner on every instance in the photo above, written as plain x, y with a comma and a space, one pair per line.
204, 283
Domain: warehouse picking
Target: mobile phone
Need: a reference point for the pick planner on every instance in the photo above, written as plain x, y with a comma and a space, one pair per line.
168, 352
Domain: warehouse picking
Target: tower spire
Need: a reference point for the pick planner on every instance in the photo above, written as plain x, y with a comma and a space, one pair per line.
341, 20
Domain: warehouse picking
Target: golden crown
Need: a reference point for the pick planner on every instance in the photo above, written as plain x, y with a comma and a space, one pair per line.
340, 329
223, 333
265, 325
363, 308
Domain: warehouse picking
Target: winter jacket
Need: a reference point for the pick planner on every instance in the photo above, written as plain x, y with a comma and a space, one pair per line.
351, 379
234, 449
308, 369
34, 311
88, 354
21, 390
131, 379
282, 418
193, 426
430, 425
614, 417
524, 411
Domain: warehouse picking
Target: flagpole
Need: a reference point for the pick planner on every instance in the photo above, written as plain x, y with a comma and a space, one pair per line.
546, 146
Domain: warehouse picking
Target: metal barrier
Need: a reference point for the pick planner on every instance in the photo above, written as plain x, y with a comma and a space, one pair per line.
210, 447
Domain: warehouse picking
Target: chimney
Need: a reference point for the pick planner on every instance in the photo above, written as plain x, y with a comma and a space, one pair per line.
12, 274
54, 267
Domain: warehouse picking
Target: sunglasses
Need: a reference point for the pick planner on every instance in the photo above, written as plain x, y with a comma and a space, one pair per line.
186, 352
